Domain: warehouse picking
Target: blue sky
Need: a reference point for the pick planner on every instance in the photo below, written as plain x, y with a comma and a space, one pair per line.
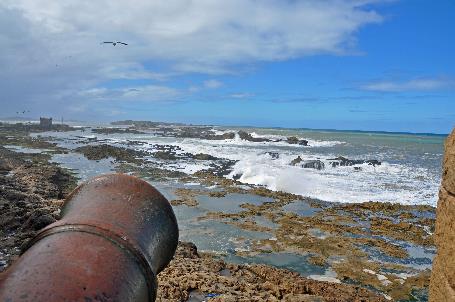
365, 65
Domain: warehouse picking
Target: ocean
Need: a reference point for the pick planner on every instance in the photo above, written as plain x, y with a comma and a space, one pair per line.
409, 173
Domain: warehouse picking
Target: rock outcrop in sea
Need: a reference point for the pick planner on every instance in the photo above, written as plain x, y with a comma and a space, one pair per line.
442, 285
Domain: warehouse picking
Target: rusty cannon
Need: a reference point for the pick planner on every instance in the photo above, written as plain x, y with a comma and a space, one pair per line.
116, 234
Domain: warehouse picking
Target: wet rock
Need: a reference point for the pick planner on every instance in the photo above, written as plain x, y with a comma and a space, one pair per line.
229, 135
203, 133
4, 167
30, 197
373, 162
296, 161
202, 156
142, 124
217, 194
224, 136
313, 164
37, 221
186, 250
273, 155
116, 131
152, 173
166, 155
191, 272
294, 141
98, 152
237, 176
248, 137
309, 164
177, 130
29, 127
221, 167
442, 285
343, 161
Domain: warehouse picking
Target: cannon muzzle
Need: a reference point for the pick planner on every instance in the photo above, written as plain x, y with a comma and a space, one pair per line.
116, 234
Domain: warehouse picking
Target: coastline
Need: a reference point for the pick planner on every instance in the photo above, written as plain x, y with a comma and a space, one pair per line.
351, 233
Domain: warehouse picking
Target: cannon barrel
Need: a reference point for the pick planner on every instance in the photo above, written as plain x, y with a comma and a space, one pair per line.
116, 234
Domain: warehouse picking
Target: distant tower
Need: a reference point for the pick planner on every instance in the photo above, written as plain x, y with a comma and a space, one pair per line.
45, 123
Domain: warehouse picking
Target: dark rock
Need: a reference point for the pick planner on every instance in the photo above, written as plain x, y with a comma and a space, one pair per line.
294, 141
237, 176
116, 130
202, 156
274, 155
166, 155
144, 124
343, 161
205, 277
28, 198
373, 162
314, 164
4, 167
248, 137
222, 167
97, 152
42, 221
229, 135
186, 250
202, 133
296, 161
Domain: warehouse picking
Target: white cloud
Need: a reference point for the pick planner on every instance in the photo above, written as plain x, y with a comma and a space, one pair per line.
140, 93
241, 95
50, 50
212, 84
423, 84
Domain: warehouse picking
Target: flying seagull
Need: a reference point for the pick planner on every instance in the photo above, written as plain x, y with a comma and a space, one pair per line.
114, 43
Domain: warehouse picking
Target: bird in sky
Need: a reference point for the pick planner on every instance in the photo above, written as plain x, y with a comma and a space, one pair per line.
22, 112
114, 43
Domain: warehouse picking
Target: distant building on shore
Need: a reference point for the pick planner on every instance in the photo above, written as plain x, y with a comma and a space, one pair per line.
45, 123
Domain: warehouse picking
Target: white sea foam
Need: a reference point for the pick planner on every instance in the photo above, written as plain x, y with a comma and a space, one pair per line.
319, 143
276, 140
397, 182
387, 182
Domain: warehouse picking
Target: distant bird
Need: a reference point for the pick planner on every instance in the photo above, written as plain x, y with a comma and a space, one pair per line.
114, 43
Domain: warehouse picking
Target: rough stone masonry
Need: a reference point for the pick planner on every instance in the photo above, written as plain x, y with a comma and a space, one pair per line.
442, 285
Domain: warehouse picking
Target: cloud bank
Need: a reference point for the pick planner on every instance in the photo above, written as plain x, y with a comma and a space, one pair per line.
50, 51
422, 84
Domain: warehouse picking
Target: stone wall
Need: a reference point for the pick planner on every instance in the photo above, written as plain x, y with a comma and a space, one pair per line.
45, 123
442, 285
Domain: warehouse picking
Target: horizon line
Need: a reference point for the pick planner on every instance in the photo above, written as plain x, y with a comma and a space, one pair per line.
245, 126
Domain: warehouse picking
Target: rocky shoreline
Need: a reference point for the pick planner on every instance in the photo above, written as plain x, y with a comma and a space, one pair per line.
32, 191
342, 237
196, 276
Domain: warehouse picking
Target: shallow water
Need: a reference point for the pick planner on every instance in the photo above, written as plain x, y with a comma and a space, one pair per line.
84, 168
230, 203
301, 208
